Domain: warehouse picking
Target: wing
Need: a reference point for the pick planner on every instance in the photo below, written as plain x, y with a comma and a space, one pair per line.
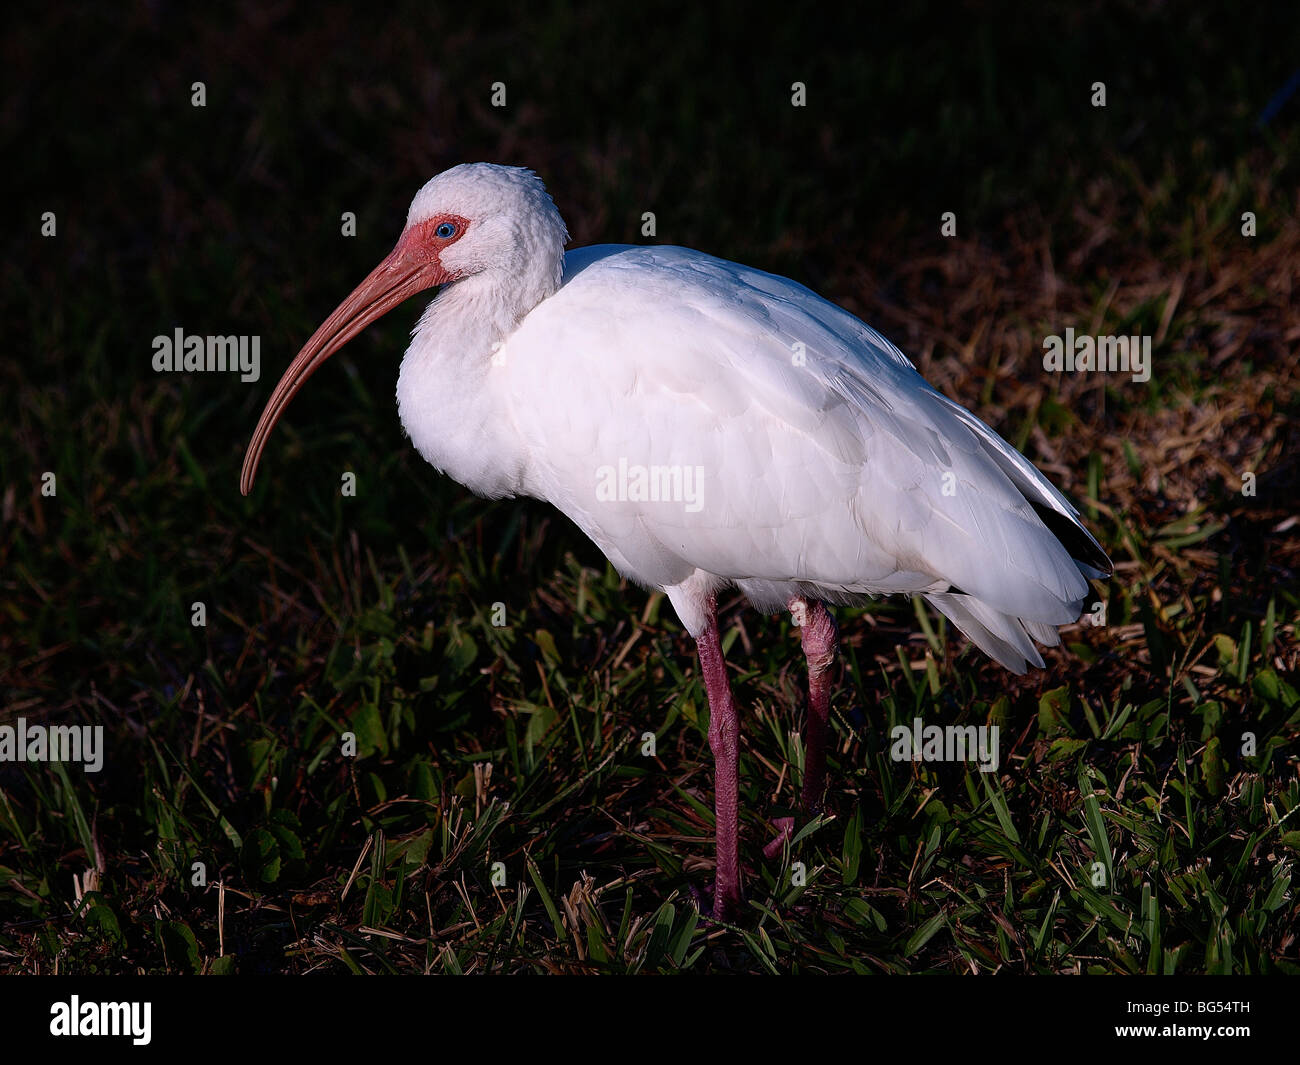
809, 453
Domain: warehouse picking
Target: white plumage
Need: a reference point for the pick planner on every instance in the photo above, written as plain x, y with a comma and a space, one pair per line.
811, 462
831, 469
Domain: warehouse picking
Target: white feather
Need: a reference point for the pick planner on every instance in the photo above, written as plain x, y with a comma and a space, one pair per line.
828, 467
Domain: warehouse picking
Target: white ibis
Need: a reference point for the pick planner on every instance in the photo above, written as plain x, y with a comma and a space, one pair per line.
708, 425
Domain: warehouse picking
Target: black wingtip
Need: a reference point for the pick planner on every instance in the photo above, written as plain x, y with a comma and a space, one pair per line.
1075, 539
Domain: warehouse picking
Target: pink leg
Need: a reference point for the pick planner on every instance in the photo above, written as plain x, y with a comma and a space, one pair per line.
724, 739
820, 641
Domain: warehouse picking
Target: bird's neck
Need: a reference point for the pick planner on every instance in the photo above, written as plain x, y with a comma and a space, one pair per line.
477, 310
444, 390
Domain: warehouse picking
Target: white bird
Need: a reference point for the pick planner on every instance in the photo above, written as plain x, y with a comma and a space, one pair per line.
708, 425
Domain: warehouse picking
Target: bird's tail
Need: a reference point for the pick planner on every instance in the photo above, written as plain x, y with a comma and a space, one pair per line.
1004, 638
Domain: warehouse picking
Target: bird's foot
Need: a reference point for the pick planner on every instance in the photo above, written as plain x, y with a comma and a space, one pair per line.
707, 902
784, 830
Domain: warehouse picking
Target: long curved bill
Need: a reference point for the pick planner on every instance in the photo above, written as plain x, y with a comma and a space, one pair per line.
405, 271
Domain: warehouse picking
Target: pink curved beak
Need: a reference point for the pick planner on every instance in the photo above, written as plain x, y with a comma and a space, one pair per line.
409, 268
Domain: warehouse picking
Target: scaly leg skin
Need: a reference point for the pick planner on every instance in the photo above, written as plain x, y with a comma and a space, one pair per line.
724, 739
820, 641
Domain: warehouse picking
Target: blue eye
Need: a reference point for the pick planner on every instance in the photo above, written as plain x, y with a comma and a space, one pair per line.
446, 231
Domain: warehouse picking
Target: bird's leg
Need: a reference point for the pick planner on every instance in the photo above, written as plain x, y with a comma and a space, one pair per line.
724, 739
820, 641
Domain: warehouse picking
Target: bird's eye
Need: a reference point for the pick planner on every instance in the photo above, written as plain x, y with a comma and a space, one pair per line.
446, 230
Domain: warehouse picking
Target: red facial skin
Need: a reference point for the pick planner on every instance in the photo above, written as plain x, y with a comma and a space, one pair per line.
421, 240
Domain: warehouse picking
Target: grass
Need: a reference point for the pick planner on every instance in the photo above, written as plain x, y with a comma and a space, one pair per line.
504, 811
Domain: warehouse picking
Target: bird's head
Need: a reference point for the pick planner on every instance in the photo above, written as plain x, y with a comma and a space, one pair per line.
492, 226
481, 218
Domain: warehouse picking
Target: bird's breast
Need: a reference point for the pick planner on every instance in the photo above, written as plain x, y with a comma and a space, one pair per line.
450, 408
